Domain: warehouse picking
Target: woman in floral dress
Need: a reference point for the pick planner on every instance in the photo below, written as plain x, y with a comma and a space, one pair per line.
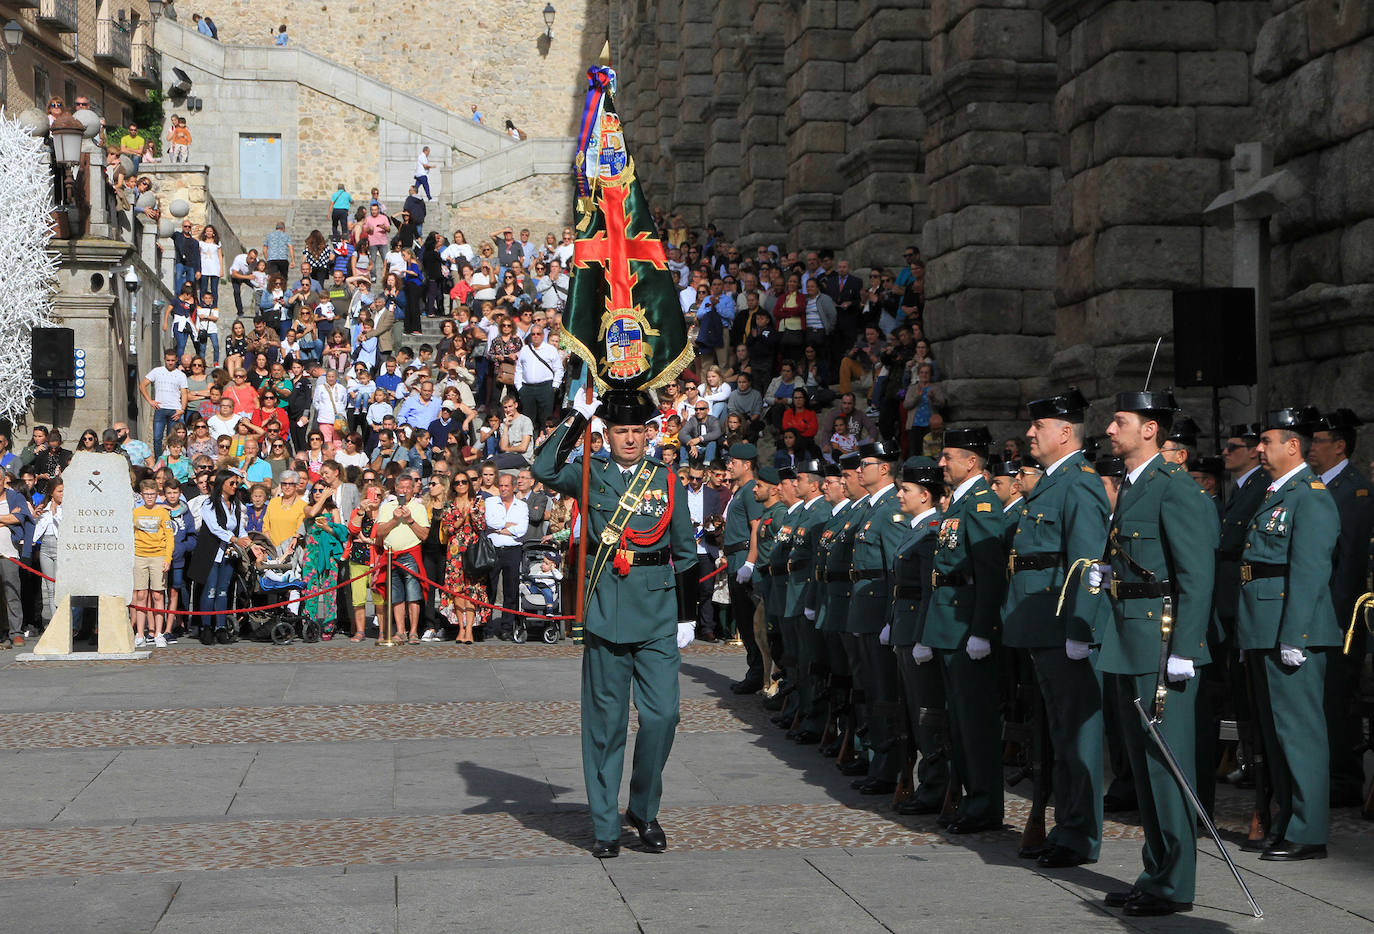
325, 536
459, 525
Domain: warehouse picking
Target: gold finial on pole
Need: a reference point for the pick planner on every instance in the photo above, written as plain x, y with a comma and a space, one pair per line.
605, 57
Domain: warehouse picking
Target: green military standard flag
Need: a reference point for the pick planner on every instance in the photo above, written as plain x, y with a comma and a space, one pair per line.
623, 317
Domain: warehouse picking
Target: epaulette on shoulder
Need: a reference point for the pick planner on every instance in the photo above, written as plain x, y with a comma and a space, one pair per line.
1087, 468
1362, 491
1171, 468
981, 492
1317, 485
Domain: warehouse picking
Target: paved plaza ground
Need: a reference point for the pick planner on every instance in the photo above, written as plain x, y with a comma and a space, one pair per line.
342, 788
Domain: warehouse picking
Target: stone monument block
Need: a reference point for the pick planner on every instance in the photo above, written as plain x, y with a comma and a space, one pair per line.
95, 555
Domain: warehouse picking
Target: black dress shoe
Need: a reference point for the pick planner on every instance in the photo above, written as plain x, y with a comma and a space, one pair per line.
829, 750
606, 849
911, 807
1060, 857
747, 686
207, 635
858, 766
1119, 899
1150, 906
222, 636
1114, 803
877, 786
650, 834
970, 826
781, 719
707, 637
1258, 846
944, 820
859, 782
1284, 852
1033, 852
806, 737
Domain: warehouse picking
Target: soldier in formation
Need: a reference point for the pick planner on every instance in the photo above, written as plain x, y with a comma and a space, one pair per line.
900, 596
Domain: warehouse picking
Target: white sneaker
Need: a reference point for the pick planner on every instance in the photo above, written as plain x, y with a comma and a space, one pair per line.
429, 636
160, 641
139, 642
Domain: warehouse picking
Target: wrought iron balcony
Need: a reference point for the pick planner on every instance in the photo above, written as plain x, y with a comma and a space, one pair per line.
112, 42
143, 65
58, 15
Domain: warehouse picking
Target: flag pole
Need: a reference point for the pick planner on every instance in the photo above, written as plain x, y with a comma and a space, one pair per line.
576, 625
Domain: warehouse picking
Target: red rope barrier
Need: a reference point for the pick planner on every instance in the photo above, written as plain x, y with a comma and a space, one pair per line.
339, 586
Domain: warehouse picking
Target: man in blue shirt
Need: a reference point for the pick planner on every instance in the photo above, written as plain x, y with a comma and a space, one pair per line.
420, 409
340, 203
389, 380
445, 425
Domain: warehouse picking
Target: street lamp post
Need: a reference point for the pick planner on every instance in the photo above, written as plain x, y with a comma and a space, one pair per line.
13, 35
549, 13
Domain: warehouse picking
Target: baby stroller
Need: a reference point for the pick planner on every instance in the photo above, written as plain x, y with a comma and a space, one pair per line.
261, 583
532, 599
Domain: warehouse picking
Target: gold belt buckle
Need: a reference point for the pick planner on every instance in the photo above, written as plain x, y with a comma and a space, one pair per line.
934, 578
1114, 588
1011, 563
1246, 573
853, 576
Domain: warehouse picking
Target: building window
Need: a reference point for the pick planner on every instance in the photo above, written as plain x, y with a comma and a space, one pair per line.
42, 87
69, 94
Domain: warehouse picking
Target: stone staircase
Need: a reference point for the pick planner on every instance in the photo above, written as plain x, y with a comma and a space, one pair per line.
253, 219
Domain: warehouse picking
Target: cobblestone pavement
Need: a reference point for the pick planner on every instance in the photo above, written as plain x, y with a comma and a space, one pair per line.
139, 800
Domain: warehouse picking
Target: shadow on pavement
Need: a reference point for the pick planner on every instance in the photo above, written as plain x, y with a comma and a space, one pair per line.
528, 800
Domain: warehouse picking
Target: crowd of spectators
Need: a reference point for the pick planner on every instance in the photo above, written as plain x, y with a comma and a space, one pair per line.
322, 407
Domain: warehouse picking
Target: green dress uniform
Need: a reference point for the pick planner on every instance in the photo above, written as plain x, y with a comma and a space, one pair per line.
739, 513
770, 525
1161, 547
1285, 600
875, 548
923, 688
1355, 506
800, 600
1061, 521
778, 620
630, 629
841, 588
968, 581
832, 587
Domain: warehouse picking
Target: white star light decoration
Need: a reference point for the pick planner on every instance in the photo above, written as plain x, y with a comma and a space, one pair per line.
28, 269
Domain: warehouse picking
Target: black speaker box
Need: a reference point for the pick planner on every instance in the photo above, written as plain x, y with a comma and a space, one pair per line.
54, 353
1214, 337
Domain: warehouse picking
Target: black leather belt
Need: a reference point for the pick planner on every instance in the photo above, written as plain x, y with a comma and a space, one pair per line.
866, 574
832, 577
732, 549
956, 579
1139, 590
1228, 555
1256, 570
906, 592
798, 565
1033, 562
768, 571
650, 558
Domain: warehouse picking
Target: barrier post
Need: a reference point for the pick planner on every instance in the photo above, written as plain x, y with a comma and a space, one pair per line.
384, 627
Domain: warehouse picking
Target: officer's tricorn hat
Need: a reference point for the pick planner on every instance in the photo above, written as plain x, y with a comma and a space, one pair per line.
1185, 431
924, 471
1212, 465
1145, 402
1111, 466
1067, 406
882, 450
850, 461
1301, 419
1339, 420
787, 473
1028, 463
976, 439
1003, 467
1248, 432
830, 469
626, 407
809, 465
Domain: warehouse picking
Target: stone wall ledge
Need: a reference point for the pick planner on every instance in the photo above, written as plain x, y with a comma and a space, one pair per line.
988, 80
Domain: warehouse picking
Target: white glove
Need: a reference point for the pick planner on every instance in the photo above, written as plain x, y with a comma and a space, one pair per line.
1099, 576
583, 407
885, 637
1179, 668
921, 653
978, 648
686, 634
810, 615
1291, 655
746, 571
1077, 650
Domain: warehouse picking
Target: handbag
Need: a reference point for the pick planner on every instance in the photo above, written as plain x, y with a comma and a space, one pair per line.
480, 557
506, 374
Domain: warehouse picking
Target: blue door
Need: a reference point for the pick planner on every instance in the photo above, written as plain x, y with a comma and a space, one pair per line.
260, 165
